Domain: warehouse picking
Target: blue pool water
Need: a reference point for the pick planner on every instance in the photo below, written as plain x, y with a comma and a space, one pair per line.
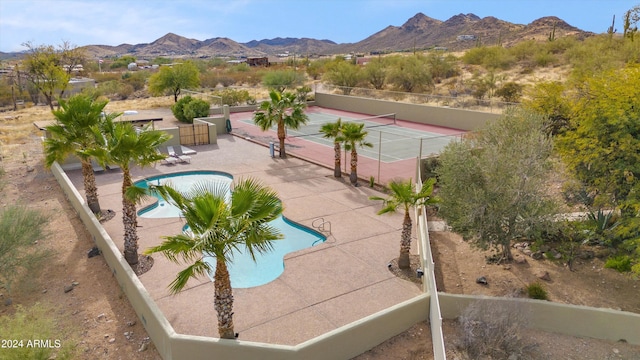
244, 272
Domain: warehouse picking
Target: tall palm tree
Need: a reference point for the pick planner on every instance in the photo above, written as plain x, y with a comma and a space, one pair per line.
284, 111
126, 147
353, 137
334, 131
219, 223
403, 196
76, 132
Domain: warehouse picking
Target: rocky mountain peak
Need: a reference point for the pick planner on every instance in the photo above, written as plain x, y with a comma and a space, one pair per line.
419, 22
461, 19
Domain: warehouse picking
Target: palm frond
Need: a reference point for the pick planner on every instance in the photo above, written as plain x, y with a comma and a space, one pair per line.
198, 268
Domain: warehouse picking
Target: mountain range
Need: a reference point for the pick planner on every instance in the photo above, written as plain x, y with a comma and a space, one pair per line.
460, 32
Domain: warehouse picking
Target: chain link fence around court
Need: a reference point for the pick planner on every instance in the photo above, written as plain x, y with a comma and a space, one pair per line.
394, 146
459, 101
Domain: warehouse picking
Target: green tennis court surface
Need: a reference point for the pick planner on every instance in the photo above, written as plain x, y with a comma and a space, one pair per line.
391, 141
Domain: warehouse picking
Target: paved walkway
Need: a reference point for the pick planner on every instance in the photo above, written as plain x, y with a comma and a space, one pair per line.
321, 289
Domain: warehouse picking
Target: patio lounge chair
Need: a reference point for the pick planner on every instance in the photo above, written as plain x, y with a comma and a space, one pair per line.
177, 153
181, 155
169, 160
187, 151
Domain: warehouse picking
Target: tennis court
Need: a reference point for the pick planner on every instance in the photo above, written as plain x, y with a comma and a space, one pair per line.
396, 143
392, 139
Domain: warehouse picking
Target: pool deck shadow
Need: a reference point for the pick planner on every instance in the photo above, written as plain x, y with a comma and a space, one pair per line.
321, 289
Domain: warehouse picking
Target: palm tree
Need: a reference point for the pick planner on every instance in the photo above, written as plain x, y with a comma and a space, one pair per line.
76, 132
219, 223
284, 111
334, 131
126, 147
353, 136
402, 195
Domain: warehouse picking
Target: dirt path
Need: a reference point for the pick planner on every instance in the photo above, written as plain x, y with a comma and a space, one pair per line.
96, 312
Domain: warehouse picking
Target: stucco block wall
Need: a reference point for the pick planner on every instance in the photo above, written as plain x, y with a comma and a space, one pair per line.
432, 115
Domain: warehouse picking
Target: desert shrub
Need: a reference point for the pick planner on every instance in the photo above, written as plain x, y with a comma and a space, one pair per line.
492, 330
195, 109
185, 111
494, 57
105, 76
226, 80
122, 62
544, 59
510, 92
536, 291
208, 79
302, 93
135, 79
35, 322
178, 108
429, 166
114, 89
20, 227
621, 263
233, 97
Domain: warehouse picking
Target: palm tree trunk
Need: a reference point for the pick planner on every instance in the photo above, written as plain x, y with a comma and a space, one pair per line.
90, 188
405, 242
223, 302
353, 177
281, 136
337, 172
130, 221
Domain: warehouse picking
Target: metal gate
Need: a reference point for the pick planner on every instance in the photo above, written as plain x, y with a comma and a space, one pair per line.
195, 134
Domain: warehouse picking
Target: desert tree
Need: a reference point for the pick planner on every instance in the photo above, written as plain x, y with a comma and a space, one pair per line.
601, 145
411, 74
333, 131
403, 196
77, 132
49, 69
343, 74
354, 136
375, 73
174, 78
218, 225
600, 149
550, 99
283, 111
492, 183
281, 80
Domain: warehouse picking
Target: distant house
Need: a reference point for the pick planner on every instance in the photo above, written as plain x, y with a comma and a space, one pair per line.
258, 61
76, 85
362, 60
465, 37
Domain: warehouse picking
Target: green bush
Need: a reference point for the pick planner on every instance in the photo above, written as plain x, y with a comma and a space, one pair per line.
188, 108
20, 227
620, 263
233, 97
536, 291
135, 79
195, 109
29, 324
178, 108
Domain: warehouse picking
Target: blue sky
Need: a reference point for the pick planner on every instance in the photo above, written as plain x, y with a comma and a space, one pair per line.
113, 22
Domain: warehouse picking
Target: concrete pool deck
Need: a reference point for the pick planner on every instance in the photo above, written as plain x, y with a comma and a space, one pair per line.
321, 289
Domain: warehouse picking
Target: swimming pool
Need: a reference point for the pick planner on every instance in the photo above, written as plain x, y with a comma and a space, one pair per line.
244, 272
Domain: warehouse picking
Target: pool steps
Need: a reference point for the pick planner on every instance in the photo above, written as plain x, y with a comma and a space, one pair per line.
321, 225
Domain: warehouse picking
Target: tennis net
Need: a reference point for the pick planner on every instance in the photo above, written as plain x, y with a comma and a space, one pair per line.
313, 127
